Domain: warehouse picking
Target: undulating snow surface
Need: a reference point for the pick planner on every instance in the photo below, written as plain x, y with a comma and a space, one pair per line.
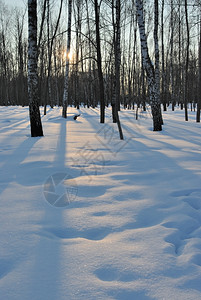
84, 215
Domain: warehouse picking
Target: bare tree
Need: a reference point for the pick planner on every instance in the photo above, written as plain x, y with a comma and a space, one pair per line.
199, 79
99, 62
50, 52
20, 81
117, 59
187, 62
34, 112
4, 55
148, 65
163, 93
172, 28
66, 80
157, 56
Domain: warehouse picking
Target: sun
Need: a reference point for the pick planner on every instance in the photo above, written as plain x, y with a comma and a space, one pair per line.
70, 55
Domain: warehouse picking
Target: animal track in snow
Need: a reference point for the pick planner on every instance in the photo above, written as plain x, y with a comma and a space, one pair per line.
100, 214
174, 239
6, 267
191, 196
94, 234
110, 273
194, 202
184, 227
185, 224
185, 193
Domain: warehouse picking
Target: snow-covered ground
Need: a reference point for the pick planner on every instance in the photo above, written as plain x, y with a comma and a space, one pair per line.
84, 215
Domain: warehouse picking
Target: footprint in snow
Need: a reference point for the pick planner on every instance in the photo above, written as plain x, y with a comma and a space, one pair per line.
110, 273
175, 241
185, 193
191, 196
100, 214
194, 202
184, 227
94, 234
6, 267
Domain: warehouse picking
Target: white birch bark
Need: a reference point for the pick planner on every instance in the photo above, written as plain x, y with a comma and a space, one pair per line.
99, 62
163, 57
187, 62
157, 56
34, 113
117, 47
157, 75
148, 65
199, 78
171, 55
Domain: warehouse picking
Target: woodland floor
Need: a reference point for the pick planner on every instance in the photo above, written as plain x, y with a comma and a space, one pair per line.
84, 215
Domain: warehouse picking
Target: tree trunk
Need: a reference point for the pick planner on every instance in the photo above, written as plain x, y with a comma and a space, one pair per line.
117, 54
65, 95
163, 59
46, 98
171, 56
99, 63
199, 84
147, 64
187, 63
49, 77
157, 72
34, 112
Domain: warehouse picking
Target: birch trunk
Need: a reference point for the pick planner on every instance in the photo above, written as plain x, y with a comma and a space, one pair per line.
157, 78
117, 50
187, 63
49, 74
91, 98
99, 63
147, 64
157, 71
199, 83
163, 57
171, 55
66, 80
34, 112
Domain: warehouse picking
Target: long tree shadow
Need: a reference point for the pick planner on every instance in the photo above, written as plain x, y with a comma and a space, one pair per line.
11, 169
24, 168
47, 254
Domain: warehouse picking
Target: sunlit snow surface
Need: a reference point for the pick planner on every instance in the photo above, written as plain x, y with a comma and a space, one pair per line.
84, 215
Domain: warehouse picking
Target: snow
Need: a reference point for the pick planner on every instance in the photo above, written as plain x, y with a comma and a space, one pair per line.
87, 216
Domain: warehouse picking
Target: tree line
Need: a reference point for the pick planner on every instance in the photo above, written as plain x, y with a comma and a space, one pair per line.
131, 53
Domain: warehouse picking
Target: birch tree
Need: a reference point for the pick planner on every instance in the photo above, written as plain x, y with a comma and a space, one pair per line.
34, 112
157, 78
99, 62
148, 65
157, 56
187, 62
66, 80
50, 53
172, 28
117, 59
78, 9
20, 84
163, 57
199, 78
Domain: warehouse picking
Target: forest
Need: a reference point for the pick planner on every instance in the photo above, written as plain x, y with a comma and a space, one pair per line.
103, 199
105, 57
